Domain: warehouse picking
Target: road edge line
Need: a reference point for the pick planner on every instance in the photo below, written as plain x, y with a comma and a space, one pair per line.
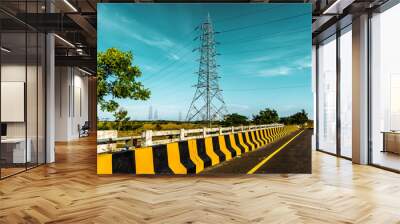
255, 168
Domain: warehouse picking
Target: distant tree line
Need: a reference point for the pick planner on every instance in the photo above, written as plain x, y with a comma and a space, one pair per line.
266, 116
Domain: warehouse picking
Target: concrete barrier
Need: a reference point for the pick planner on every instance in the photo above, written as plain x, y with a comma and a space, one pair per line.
188, 156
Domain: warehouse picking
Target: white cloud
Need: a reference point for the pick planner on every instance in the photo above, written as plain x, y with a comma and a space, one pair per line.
262, 59
174, 56
148, 68
150, 37
303, 63
295, 65
277, 71
162, 43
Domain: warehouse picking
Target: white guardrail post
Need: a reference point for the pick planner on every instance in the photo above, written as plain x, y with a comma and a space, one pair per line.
204, 132
147, 138
182, 135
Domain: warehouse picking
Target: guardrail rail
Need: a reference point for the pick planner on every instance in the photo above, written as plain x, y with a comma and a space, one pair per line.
151, 137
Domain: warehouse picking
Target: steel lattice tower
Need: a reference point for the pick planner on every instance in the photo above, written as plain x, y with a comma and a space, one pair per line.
208, 103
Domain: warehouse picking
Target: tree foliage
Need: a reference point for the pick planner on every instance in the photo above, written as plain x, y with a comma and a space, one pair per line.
266, 116
297, 118
235, 120
121, 116
116, 79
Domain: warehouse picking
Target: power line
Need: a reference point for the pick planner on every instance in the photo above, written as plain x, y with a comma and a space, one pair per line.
182, 47
182, 75
169, 65
164, 68
188, 33
174, 47
264, 23
266, 88
262, 49
179, 75
235, 52
246, 40
162, 78
246, 14
272, 59
263, 89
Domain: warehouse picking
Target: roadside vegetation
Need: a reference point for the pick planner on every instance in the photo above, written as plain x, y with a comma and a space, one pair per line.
127, 127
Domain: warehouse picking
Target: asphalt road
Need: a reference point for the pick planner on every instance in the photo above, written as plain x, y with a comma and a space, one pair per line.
295, 157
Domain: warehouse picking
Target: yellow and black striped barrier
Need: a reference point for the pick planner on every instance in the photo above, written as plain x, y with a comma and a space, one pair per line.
189, 156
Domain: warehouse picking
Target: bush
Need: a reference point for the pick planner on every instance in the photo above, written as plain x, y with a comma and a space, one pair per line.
267, 116
234, 120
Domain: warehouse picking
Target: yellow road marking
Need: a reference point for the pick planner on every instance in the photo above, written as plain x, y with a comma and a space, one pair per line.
272, 155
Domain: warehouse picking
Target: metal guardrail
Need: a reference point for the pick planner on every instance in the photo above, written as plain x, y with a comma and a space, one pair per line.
164, 137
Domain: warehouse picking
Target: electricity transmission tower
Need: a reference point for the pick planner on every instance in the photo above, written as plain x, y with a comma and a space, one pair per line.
208, 103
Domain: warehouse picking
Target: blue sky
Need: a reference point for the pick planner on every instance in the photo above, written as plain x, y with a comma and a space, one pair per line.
265, 54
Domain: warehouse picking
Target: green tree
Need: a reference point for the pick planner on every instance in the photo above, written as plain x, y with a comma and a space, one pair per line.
116, 78
234, 120
121, 117
266, 116
297, 118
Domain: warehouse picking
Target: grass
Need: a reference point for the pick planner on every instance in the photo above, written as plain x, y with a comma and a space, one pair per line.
136, 128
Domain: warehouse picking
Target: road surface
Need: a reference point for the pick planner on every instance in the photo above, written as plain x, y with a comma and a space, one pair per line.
294, 157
